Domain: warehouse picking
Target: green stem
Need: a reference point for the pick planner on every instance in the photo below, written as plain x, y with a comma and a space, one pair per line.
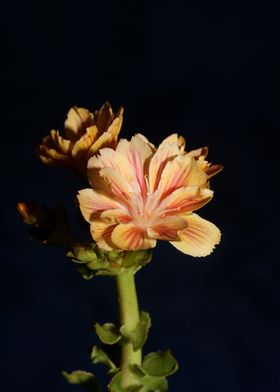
129, 316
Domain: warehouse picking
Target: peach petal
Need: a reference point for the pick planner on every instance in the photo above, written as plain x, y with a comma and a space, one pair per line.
103, 116
77, 119
129, 237
212, 170
64, 146
199, 238
81, 147
198, 153
179, 141
104, 140
116, 125
92, 202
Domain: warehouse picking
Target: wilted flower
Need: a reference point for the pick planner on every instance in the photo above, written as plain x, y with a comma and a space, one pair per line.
142, 194
85, 133
47, 225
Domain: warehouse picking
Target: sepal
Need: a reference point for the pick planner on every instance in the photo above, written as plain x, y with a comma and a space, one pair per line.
94, 261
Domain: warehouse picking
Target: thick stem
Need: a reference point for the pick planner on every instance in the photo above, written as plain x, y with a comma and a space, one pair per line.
129, 316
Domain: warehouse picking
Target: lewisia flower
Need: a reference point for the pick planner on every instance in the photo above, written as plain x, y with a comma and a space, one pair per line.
85, 133
141, 194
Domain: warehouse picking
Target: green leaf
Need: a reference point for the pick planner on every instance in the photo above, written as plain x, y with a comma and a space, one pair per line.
83, 378
99, 356
139, 335
108, 333
115, 385
160, 363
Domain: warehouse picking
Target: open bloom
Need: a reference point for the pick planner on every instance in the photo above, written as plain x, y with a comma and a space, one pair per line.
85, 133
141, 194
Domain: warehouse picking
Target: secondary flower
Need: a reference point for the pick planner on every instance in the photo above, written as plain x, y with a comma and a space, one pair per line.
85, 133
141, 194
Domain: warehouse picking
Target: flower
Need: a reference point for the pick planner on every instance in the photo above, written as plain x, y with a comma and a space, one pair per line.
141, 194
85, 133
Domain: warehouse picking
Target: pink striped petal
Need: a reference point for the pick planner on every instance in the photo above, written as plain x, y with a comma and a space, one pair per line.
182, 171
139, 151
159, 161
110, 159
92, 202
199, 238
116, 216
186, 200
101, 232
167, 228
119, 185
129, 237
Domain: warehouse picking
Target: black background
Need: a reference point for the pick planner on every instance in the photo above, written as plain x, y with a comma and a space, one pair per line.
208, 70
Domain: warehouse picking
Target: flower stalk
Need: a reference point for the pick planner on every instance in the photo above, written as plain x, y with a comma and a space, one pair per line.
129, 316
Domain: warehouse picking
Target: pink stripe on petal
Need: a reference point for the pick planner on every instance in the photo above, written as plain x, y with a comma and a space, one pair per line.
167, 228
182, 171
116, 215
92, 202
199, 238
140, 152
129, 237
158, 163
186, 200
101, 232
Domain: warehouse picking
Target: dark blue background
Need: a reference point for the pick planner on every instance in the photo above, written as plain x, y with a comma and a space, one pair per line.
208, 70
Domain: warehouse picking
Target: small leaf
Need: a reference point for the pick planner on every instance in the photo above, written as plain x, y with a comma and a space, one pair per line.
85, 272
99, 356
83, 253
145, 318
116, 386
108, 333
149, 383
139, 335
160, 363
154, 384
86, 379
